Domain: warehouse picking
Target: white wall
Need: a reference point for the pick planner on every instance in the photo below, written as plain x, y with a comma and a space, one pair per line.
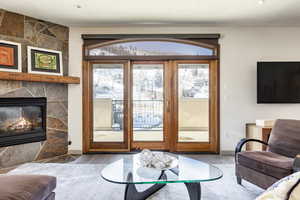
241, 48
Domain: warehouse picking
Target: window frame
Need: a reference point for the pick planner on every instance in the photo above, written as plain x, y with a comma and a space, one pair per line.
202, 40
99, 44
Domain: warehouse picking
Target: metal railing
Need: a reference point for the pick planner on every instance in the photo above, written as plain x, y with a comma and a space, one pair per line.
147, 114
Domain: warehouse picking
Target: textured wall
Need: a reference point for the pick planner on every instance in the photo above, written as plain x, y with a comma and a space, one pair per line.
34, 32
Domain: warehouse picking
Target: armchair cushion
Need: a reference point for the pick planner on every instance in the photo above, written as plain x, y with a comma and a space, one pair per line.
285, 138
268, 163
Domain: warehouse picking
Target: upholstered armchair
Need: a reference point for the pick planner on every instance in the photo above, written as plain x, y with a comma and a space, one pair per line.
282, 157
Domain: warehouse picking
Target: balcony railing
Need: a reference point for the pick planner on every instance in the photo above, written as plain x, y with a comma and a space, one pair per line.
147, 114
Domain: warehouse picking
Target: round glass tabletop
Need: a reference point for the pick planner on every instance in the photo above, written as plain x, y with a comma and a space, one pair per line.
129, 171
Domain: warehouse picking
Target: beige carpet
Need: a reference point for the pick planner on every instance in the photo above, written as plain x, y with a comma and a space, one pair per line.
83, 182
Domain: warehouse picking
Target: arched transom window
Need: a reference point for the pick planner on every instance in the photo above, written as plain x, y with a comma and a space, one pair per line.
150, 48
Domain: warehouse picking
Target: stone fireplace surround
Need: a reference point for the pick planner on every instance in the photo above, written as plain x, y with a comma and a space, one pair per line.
33, 32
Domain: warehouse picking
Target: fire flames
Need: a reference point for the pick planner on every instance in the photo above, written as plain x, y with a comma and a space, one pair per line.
21, 124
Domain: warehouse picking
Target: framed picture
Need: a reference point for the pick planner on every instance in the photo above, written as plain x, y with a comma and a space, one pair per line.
44, 61
10, 56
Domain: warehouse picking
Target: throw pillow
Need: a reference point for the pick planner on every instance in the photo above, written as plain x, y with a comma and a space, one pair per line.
280, 190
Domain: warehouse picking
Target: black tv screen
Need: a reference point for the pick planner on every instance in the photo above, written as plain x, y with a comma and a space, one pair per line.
278, 82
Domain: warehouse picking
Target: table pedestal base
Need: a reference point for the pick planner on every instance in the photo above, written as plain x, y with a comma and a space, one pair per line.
131, 192
194, 190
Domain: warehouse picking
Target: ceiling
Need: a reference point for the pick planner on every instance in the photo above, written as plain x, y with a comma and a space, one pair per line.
124, 12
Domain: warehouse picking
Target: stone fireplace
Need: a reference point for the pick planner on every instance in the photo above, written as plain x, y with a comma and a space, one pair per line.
22, 120
38, 33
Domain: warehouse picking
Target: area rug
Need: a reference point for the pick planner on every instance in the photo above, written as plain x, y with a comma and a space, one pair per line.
83, 182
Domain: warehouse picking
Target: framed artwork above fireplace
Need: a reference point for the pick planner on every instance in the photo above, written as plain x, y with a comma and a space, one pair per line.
44, 61
10, 56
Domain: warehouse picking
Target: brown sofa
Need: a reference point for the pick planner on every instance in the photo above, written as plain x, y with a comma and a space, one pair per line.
27, 187
263, 168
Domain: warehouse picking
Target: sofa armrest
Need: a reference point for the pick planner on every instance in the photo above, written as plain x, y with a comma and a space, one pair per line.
296, 164
242, 142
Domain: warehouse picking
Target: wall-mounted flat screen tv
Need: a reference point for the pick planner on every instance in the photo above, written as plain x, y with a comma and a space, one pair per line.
278, 82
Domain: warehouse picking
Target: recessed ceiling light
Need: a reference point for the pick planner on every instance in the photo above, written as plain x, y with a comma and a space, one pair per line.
261, 2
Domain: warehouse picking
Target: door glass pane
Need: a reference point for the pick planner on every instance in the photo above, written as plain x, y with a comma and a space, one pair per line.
151, 48
148, 84
108, 91
193, 102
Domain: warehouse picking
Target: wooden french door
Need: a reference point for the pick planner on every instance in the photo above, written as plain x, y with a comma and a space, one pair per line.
106, 106
195, 114
150, 105
160, 105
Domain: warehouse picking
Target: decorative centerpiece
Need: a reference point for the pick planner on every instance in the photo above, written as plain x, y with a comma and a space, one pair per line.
157, 160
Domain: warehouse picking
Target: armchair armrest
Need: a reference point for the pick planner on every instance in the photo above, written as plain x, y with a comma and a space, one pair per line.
243, 141
296, 164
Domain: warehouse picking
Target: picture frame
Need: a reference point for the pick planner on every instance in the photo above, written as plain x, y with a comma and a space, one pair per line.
44, 61
10, 56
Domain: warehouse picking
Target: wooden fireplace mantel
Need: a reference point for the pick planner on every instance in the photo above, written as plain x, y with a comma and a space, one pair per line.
18, 76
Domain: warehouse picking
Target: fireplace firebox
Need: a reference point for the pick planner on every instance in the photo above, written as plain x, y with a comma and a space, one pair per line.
22, 120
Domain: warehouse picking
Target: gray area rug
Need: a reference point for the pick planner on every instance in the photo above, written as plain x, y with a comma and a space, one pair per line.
83, 182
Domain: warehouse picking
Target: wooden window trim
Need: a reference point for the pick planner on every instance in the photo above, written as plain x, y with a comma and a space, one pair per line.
172, 60
209, 41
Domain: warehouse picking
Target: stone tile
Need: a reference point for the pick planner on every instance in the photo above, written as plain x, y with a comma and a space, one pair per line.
24, 56
56, 144
21, 92
56, 124
39, 33
32, 30
56, 110
56, 92
65, 105
11, 24
59, 32
48, 35
48, 43
8, 86
17, 154
65, 55
25, 44
2, 149
2, 12
36, 89
12, 39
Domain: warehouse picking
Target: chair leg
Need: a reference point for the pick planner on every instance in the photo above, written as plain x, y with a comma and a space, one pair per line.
239, 180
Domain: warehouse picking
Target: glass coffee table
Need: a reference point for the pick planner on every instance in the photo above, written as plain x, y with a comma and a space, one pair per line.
189, 171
